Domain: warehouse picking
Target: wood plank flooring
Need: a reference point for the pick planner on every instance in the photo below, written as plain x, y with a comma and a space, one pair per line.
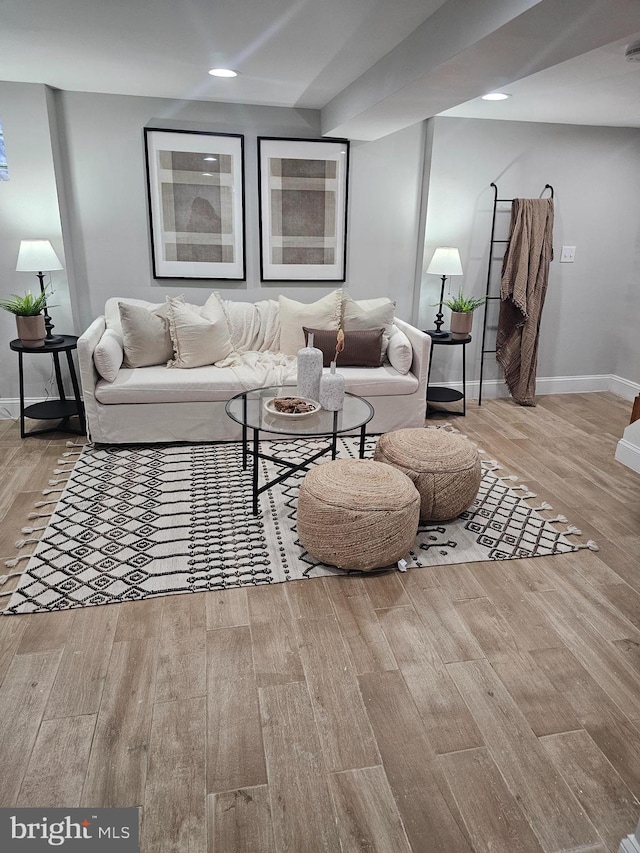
478, 708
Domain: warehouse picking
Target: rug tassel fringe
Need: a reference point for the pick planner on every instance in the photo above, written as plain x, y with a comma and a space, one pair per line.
50, 492
560, 518
5, 578
40, 514
512, 477
11, 564
33, 529
545, 505
72, 453
590, 544
57, 482
527, 495
20, 543
572, 530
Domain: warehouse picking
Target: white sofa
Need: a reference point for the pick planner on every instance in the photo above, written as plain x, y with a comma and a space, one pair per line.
163, 404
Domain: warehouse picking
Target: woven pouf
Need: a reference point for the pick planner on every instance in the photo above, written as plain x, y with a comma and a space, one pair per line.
357, 514
444, 468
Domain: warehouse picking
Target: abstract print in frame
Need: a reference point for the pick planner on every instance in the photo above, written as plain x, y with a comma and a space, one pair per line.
303, 208
195, 183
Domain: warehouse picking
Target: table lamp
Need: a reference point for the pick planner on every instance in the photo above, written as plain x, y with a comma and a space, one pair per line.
445, 262
39, 257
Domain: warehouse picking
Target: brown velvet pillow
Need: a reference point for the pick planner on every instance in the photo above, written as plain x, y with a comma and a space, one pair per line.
362, 348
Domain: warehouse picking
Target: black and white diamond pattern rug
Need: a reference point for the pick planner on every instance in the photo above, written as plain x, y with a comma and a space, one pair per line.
140, 521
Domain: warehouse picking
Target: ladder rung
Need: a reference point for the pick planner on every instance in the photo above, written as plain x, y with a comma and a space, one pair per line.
489, 350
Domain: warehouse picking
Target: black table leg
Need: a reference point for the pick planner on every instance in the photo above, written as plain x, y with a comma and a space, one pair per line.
334, 437
56, 364
464, 381
256, 462
362, 436
244, 433
76, 391
22, 432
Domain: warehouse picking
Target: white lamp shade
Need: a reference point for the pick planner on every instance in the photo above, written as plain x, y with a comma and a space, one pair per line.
445, 261
37, 256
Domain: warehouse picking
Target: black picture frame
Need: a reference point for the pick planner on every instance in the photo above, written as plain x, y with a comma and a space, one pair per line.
303, 188
196, 218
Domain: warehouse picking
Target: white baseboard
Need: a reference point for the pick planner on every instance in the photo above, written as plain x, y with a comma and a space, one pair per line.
10, 406
623, 387
628, 454
496, 388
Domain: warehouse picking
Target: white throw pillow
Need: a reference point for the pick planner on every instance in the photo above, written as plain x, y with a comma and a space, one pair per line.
199, 338
109, 355
368, 314
400, 351
145, 335
323, 314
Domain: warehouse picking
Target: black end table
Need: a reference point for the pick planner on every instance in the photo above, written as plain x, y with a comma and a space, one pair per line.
60, 409
448, 395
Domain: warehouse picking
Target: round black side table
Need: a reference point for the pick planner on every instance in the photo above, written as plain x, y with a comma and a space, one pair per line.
449, 395
60, 409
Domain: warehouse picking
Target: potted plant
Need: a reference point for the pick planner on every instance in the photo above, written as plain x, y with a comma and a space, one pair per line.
29, 317
462, 308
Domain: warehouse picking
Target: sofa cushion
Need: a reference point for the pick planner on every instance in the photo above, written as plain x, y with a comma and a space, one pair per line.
202, 384
323, 314
362, 348
145, 335
198, 338
112, 310
109, 355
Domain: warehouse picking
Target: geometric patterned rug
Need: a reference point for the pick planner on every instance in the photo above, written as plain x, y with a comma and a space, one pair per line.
139, 521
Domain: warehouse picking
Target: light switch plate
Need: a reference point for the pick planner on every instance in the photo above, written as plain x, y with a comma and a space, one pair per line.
568, 255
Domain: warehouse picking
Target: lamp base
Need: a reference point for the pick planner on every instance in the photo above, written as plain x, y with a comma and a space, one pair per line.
436, 333
54, 339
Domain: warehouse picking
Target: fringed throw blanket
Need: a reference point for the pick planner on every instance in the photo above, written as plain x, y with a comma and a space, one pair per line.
525, 275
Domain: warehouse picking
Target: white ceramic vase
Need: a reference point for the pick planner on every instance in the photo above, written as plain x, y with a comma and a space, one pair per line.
309, 370
332, 390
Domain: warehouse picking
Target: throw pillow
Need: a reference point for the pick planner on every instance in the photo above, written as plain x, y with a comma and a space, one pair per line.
199, 338
400, 351
145, 335
362, 348
368, 313
108, 355
323, 314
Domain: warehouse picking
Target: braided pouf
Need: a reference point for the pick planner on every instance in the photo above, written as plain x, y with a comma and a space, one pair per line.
357, 514
444, 468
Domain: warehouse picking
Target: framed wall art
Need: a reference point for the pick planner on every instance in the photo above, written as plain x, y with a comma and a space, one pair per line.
196, 203
303, 188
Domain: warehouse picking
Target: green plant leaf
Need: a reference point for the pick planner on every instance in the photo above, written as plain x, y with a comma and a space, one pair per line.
464, 304
27, 305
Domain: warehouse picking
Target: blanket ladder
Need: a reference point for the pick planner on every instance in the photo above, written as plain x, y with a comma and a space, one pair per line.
488, 296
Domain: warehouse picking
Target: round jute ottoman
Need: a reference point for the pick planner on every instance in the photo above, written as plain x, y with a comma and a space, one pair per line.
445, 468
357, 514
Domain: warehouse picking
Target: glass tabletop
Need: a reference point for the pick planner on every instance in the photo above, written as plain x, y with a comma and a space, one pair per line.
248, 409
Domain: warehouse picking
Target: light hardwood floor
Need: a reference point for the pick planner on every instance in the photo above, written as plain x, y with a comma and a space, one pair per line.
477, 707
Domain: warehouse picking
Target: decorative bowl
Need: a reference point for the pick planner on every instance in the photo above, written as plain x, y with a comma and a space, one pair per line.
291, 407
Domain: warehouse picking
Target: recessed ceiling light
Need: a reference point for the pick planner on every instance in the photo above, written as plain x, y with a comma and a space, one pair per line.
223, 72
495, 96
211, 159
207, 175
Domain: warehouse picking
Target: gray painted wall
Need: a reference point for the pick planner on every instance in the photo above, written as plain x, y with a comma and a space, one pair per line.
592, 312
82, 159
28, 210
106, 187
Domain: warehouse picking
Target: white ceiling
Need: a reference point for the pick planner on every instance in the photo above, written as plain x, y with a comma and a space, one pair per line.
370, 66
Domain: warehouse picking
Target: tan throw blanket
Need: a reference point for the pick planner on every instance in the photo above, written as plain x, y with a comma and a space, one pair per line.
525, 275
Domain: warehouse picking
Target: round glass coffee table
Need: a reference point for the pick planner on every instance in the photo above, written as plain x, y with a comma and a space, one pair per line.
248, 409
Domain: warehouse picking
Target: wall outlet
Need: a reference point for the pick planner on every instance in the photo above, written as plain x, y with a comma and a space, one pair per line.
568, 255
